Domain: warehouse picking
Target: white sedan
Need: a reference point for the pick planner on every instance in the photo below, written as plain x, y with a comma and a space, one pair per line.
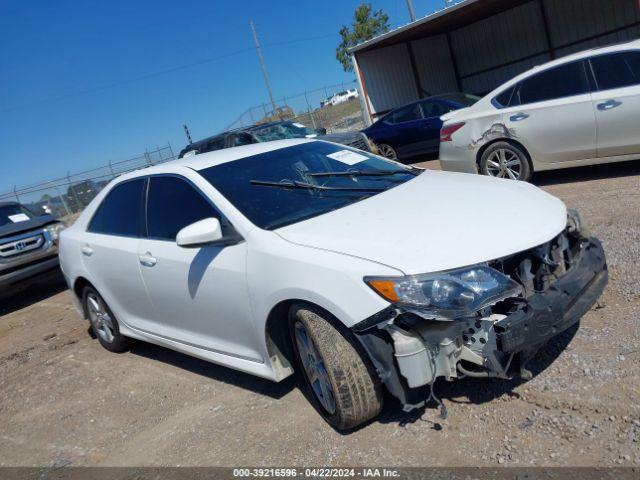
582, 109
357, 271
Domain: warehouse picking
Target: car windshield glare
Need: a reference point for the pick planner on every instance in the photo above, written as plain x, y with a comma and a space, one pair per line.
285, 186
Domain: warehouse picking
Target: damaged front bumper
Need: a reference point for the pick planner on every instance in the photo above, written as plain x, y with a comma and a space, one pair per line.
410, 351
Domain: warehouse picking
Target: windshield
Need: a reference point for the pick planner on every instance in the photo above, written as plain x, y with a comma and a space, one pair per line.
14, 213
281, 131
285, 186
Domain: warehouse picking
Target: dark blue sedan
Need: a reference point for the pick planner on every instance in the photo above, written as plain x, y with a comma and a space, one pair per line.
414, 129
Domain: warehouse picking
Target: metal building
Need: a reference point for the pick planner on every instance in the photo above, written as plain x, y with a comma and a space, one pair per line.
476, 45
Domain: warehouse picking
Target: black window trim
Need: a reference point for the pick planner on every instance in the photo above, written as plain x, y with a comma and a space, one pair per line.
226, 225
593, 73
144, 209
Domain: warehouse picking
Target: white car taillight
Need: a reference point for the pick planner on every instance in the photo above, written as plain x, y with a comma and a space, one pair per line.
447, 131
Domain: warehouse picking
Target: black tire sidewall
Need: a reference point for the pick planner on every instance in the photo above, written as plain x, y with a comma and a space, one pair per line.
332, 418
335, 419
522, 156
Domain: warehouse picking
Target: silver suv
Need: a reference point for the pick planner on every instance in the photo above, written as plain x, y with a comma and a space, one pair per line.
28, 247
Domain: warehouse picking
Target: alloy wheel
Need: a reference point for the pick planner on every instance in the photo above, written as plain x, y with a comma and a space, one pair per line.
100, 318
315, 369
504, 163
387, 152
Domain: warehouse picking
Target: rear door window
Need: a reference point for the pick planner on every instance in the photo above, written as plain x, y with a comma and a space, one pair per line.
121, 213
617, 70
172, 204
405, 114
434, 108
558, 82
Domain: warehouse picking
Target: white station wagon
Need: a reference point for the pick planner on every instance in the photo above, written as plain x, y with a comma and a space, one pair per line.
356, 271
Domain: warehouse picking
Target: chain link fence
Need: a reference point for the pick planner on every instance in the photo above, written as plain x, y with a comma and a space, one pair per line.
67, 196
335, 108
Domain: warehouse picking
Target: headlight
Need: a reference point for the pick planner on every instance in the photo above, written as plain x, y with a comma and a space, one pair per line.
54, 230
452, 294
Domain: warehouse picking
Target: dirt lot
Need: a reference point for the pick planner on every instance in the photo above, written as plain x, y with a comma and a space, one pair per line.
66, 401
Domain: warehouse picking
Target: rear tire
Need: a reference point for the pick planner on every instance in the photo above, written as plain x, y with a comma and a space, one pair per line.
103, 322
387, 151
337, 377
506, 160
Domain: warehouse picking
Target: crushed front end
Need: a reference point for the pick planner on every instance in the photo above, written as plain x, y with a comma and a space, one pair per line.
550, 288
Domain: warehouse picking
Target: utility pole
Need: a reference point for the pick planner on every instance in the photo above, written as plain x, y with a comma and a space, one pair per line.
186, 131
411, 14
262, 65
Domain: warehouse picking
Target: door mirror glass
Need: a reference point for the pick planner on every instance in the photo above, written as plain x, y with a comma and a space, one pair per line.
201, 233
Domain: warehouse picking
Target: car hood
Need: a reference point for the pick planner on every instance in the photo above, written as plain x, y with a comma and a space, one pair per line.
437, 221
11, 229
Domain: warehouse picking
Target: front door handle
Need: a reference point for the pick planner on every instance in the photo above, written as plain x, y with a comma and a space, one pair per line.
518, 116
148, 260
608, 105
87, 251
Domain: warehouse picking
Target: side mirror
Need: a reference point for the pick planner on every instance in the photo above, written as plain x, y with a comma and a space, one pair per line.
321, 131
201, 233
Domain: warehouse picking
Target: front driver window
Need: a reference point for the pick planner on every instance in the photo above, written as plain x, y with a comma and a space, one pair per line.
173, 204
617, 70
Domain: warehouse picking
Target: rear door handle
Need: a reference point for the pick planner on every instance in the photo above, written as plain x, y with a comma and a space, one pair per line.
609, 104
87, 250
518, 116
148, 260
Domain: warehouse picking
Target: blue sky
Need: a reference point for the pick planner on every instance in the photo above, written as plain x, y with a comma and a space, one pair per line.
71, 97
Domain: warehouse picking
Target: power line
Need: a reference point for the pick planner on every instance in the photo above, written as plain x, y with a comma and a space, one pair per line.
158, 73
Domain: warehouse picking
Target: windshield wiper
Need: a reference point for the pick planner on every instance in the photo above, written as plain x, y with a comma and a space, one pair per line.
305, 185
361, 173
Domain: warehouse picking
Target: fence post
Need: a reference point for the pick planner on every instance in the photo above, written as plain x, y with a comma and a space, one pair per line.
147, 157
15, 192
313, 120
73, 192
111, 169
253, 121
64, 204
171, 150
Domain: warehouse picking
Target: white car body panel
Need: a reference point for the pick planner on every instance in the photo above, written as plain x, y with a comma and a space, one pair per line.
213, 302
407, 230
559, 133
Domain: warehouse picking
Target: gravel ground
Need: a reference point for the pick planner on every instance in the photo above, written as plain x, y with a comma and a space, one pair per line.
66, 401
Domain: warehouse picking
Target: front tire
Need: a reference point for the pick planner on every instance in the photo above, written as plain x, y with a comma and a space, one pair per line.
341, 385
103, 322
506, 160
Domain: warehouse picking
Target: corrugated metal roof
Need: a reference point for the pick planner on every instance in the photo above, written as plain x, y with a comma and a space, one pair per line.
445, 20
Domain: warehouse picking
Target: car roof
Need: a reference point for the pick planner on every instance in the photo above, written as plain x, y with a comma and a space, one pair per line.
218, 157
618, 47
